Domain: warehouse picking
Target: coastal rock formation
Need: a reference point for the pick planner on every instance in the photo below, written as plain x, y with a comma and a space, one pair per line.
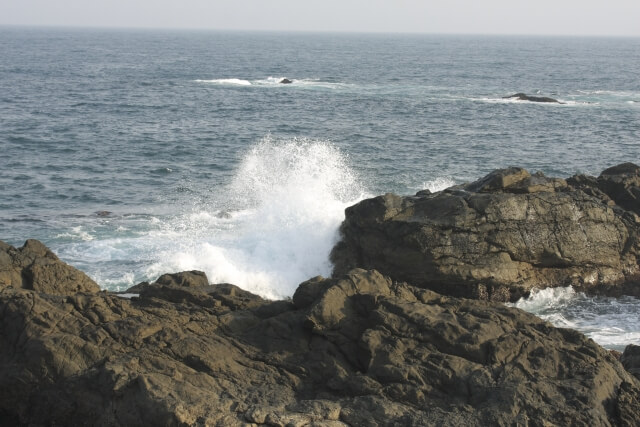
286, 81
524, 97
189, 279
34, 266
501, 236
356, 350
618, 185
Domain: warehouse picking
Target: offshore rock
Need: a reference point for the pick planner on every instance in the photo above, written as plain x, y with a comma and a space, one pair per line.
524, 97
34, 266
501, 236
356, 350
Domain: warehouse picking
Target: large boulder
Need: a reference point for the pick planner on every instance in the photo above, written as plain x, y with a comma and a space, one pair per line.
34, 266
502, 235
360, 349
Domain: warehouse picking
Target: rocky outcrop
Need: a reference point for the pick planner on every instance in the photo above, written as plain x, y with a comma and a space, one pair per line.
356, 350
286, 81
189, 279
501, 236
524, 97
34, 266
618, 185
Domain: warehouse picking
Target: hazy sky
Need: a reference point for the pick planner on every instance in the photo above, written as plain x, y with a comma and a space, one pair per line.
555, 17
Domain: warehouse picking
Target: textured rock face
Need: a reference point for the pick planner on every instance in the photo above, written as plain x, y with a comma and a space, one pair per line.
501, 236
358, 350
34, 266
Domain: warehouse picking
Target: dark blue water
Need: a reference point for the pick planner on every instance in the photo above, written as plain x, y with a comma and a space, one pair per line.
133, 153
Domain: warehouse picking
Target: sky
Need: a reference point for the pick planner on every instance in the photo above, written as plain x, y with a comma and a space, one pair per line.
532, 17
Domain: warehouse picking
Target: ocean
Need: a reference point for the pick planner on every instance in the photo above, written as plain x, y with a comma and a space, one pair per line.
133, 153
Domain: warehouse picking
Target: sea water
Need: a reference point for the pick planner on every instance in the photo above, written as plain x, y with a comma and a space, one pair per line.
135, 153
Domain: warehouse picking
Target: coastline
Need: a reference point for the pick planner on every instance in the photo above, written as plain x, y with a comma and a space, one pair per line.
361, 348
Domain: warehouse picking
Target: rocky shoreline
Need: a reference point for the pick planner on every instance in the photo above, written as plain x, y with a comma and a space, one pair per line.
501, 236
373, 345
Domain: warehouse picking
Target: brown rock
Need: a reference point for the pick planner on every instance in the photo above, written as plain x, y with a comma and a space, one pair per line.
355, 350
34, 266
497, 238
190, 279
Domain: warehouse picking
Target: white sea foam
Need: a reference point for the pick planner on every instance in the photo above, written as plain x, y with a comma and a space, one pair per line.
281, 218
611, 322
547, 299
562, 103
236, 82
438, 184
271, 81
128, 295
76, 233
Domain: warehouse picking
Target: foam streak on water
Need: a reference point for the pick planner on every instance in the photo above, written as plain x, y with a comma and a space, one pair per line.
611, 322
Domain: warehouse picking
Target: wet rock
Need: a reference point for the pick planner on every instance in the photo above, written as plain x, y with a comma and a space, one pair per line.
34, 266
286, 81
501, 236
359, 349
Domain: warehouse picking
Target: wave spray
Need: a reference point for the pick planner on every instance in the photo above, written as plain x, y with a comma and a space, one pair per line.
280, 220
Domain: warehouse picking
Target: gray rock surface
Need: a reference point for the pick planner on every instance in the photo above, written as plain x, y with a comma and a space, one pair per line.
501, 236
359, 350
34, 266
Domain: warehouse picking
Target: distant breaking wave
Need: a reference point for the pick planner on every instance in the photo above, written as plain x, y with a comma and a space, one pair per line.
275, 81
237, 82
562, 103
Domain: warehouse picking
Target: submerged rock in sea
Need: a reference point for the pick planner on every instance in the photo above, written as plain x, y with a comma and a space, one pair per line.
503, 235
524, 97
360, 349
34, 266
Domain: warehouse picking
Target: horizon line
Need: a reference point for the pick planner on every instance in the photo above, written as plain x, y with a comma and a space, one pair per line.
297, 31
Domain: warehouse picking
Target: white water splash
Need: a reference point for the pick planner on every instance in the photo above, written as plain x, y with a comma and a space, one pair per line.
280, 221
438, 184
611, 322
